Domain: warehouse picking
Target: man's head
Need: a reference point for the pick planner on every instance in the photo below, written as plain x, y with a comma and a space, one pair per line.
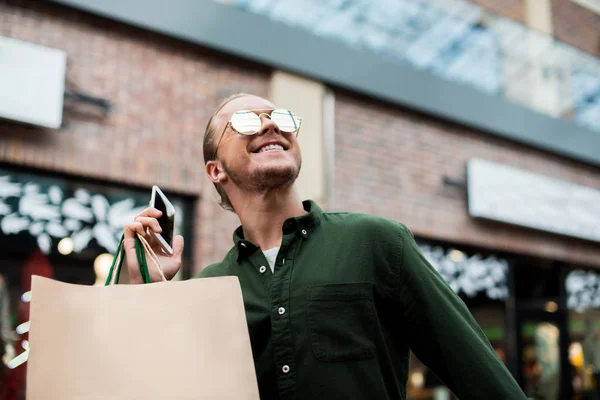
240, 162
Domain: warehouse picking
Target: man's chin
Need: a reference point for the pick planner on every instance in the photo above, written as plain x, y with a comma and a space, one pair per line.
273, 177
265, 177
280, 173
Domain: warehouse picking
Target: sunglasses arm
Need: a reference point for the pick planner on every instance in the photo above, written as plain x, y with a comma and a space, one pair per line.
220, 138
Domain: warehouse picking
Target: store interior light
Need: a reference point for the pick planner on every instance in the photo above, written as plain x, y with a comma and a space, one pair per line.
551, 306
417, 379
576, 354
457, 255
65, 246
102, 265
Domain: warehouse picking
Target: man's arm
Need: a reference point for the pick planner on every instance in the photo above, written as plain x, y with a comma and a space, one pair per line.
443, 333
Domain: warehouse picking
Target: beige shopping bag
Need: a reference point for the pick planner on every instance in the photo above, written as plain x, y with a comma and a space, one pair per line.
170, 340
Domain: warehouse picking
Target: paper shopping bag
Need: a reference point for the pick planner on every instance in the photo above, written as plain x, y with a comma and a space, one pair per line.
162, 341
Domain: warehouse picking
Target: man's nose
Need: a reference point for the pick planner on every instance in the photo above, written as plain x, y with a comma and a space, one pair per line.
268, 126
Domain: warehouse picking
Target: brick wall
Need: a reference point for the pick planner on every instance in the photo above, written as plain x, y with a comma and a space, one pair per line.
163, 92
513, 9
576, 25
392, 162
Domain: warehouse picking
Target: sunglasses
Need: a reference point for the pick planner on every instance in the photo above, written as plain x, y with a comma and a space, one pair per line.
247, 122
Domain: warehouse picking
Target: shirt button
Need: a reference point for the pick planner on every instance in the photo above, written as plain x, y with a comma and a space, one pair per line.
262, 269
304, 231
281, 310
243, 244
285, 369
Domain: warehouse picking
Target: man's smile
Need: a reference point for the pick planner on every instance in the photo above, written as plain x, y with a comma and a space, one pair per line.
271, 146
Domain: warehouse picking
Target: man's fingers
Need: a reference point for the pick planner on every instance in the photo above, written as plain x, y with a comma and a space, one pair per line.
145, 219
133, 266
133, 228
149, 222
177, 245
150, 212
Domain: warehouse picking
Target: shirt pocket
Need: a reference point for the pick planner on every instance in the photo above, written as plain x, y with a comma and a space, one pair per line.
341, 321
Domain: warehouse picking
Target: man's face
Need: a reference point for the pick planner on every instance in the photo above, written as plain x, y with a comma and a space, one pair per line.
244, 158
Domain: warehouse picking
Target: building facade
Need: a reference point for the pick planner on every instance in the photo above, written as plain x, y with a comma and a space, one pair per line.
411, 94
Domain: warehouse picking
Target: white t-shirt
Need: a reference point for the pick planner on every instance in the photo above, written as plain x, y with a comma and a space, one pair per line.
271, 256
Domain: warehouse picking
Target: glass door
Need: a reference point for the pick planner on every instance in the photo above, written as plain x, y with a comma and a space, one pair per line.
537, 330
542, 354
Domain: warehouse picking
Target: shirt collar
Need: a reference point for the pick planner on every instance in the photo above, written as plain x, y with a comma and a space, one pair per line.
302, 225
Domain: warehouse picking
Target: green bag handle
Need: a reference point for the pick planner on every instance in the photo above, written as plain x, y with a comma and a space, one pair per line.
141, 247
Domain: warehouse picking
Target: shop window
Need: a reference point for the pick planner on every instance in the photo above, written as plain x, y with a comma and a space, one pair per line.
64, 229
482, 283
592, 5
583, 301
585, 86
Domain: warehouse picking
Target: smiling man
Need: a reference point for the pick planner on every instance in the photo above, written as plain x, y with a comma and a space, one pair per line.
335, 302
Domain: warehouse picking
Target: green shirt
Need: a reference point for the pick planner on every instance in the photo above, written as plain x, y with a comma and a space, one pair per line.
350, 297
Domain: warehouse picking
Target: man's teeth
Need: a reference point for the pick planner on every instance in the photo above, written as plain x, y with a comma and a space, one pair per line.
270, 147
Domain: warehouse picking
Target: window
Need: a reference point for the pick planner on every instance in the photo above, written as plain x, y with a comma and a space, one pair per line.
592, 5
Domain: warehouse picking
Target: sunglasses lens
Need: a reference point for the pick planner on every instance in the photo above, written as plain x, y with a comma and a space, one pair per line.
286, 120
245, 122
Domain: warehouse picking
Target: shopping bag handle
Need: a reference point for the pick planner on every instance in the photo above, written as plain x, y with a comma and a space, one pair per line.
141, 248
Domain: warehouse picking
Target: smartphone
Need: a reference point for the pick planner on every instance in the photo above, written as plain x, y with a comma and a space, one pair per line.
166, 221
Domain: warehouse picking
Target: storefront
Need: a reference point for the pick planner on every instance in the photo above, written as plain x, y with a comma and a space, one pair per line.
482, 281
541, 317
64, 228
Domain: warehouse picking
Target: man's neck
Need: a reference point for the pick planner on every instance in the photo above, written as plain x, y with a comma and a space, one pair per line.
263, 215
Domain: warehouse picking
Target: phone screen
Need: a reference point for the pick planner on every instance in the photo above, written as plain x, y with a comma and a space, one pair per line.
166, 221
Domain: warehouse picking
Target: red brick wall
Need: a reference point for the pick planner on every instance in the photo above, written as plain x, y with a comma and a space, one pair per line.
163, 92
392, 162
576, 25
513, 9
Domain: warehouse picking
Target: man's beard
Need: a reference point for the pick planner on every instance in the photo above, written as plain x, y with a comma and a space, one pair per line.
262, 180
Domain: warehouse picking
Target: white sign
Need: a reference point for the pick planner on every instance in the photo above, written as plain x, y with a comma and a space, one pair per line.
507, 194
32, 83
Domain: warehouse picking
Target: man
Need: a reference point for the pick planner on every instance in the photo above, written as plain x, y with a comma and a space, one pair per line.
334, 301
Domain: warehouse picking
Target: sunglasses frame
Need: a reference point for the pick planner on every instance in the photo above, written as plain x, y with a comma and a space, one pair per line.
270, 110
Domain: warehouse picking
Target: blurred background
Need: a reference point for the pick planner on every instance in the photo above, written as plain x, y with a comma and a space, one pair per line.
474, 122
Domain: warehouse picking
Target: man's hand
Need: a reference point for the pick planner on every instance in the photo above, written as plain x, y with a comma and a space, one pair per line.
170, 264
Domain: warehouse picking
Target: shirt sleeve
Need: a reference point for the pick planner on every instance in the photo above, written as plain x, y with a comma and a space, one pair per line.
444, 335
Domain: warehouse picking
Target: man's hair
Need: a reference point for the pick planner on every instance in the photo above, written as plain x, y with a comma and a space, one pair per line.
210, 144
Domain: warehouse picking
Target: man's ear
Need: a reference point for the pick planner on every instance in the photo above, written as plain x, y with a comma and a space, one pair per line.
215, 172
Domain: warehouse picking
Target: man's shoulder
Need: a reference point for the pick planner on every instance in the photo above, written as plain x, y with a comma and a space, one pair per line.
375, 235
365, 224
218, 269
213, 270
